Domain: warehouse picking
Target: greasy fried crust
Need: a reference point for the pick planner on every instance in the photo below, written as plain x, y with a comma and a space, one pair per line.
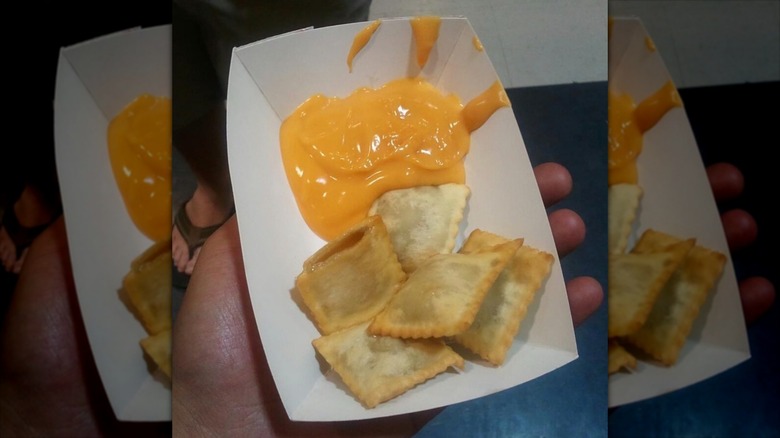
158, 348
668, 325
636, 280
504, 307
147, 287
623, 203
619, 358
378, 368
422, 221
146, 291
442, 297
351, 279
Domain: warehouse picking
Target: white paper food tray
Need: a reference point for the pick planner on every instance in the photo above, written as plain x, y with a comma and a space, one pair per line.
268, 80
96, 79
677, 200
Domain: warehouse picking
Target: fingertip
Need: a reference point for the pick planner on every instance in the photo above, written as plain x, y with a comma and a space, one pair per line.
726, 180
740, 228
757, 295
585, 297
568, 230
554, 181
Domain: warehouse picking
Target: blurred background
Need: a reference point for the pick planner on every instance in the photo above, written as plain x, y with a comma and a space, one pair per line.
724, 57
711, 42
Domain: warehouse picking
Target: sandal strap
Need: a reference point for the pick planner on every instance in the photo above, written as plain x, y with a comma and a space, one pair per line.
194, 236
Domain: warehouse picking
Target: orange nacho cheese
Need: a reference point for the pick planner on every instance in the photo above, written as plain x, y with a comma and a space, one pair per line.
627, 124
139, 146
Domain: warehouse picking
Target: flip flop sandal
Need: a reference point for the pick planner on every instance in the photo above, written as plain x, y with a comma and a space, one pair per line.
195, 236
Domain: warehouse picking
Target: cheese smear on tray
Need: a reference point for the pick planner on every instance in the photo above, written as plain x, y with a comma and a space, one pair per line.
340, 154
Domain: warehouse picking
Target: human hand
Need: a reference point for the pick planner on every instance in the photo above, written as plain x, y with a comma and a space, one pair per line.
555, 184
757, 293
221, 378
49, 385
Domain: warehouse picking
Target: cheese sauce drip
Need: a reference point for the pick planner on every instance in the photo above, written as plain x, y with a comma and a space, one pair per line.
477, 44
139, 148
426, 32
360, 41
341, 154
479, 110
627, 124
650, 44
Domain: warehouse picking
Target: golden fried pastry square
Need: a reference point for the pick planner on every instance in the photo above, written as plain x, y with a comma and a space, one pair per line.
667, 327
653, 241
480, 240
505, 305
623, 203
351, 279
422, 221
442, 297
619, 358
158, 348
147, 287
379, 368
635, 281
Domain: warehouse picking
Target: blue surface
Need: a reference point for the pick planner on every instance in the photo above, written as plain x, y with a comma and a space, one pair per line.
566, 124
731, 124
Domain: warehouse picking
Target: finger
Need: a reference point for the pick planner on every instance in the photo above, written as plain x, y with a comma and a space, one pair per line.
568, 230
757, 295
554, 182
740, 228
585, 297
726, 181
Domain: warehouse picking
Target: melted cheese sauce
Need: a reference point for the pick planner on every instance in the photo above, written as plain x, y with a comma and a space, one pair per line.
477, 44
360, 41
479, 110
426, 33
627, 124
139, 147
649, 44
341, 154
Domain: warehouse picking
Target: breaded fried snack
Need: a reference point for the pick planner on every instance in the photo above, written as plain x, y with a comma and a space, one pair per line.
668, 325
505, 305
422, 221
619, 358
442, 297
148, 287
378, 368
636, 279
623, 204
158, 348
351, 279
